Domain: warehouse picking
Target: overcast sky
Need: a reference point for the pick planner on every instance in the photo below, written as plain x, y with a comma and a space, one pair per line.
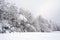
49, 9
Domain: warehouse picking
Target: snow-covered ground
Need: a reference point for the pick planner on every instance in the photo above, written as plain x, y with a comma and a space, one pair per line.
31, 36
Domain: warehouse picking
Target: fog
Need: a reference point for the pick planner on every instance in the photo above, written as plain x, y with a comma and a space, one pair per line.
48, 9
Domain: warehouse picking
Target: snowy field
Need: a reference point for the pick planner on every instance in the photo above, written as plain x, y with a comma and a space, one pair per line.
30, 36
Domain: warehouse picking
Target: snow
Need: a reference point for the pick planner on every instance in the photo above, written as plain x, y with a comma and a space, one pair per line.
31, 36
21, 17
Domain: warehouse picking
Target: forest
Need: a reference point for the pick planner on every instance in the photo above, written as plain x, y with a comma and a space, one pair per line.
13, 19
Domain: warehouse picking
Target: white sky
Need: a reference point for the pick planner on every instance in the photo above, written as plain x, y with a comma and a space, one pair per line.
47, 8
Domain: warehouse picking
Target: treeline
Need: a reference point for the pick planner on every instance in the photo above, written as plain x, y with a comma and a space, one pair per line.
13, 19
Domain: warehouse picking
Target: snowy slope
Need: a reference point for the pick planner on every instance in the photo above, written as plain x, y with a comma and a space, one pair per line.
30, 36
